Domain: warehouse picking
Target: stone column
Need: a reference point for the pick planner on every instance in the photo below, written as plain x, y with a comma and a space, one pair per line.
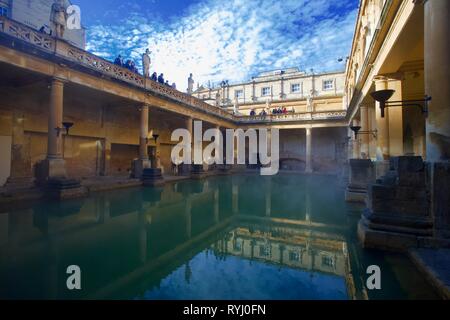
382, 123
437, 78
143, 139
54, 165
187, 168
143, 162
437, 85
309, 168
365, 138
55, 119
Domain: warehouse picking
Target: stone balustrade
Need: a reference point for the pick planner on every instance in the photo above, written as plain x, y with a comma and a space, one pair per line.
294, 117
63, 49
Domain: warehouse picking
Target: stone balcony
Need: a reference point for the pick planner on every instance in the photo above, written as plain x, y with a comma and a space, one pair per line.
20, 37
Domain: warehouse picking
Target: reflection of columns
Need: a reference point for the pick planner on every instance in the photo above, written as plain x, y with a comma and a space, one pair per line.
143, 148
235, 199
437, 78
142, 236
308, 206
55, 119
269, 198
188, 215
216, 206
365, 138
356, 144
382, 123
309, 168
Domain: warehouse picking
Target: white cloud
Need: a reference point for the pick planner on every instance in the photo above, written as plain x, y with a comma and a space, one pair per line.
235, 39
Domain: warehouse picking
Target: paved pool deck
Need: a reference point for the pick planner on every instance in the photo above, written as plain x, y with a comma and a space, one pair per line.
434, 263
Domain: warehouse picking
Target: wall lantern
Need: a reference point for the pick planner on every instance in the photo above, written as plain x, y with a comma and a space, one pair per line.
382, 96
156, 136
357, 130
66, 125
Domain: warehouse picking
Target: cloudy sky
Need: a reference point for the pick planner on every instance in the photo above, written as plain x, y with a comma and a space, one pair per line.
222, 39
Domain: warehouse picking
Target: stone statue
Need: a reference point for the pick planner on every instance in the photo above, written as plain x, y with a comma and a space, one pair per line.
218, 98
59, 17
146, 62
190, 89
310, 104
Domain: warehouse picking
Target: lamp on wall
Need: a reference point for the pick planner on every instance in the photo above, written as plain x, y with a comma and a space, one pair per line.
357, 130
155, 136
382, 96
66, 125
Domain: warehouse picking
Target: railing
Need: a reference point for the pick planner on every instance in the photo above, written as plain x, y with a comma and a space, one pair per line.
292, 117
69, 52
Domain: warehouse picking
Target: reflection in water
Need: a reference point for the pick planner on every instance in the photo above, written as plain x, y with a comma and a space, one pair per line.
240, 237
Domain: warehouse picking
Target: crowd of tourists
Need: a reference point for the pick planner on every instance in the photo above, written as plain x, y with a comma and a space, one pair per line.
131, 65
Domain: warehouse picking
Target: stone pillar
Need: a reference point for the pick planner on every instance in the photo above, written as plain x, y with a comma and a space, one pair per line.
55, 119
187, 168
437, 85
437, 78
382, 123
309, 168
143, 139
365, 138
54, 166
143, 162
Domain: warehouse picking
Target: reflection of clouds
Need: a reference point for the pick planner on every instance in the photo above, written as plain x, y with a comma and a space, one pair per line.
234, 39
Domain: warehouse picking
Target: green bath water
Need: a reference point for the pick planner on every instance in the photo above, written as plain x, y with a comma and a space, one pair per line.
231, 237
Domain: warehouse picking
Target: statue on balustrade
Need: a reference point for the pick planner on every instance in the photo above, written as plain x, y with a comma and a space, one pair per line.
190, 89
146, 62
218, 98
59, 17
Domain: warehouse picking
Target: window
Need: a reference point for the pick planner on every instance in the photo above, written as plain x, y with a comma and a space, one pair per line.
328, 84
294, 256
327, 261
239, 94
3, 11
265, 91
264, 251
295, 88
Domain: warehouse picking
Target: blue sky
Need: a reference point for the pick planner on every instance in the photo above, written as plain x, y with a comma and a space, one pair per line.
222, 39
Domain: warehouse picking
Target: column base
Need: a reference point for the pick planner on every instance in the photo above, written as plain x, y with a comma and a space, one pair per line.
361, 176
50, 168
138, 166
63, 189
152, 177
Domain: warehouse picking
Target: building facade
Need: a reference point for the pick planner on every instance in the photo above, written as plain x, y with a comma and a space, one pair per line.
296, 90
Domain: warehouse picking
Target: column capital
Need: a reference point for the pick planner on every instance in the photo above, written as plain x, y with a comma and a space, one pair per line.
380, 78
57, 81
